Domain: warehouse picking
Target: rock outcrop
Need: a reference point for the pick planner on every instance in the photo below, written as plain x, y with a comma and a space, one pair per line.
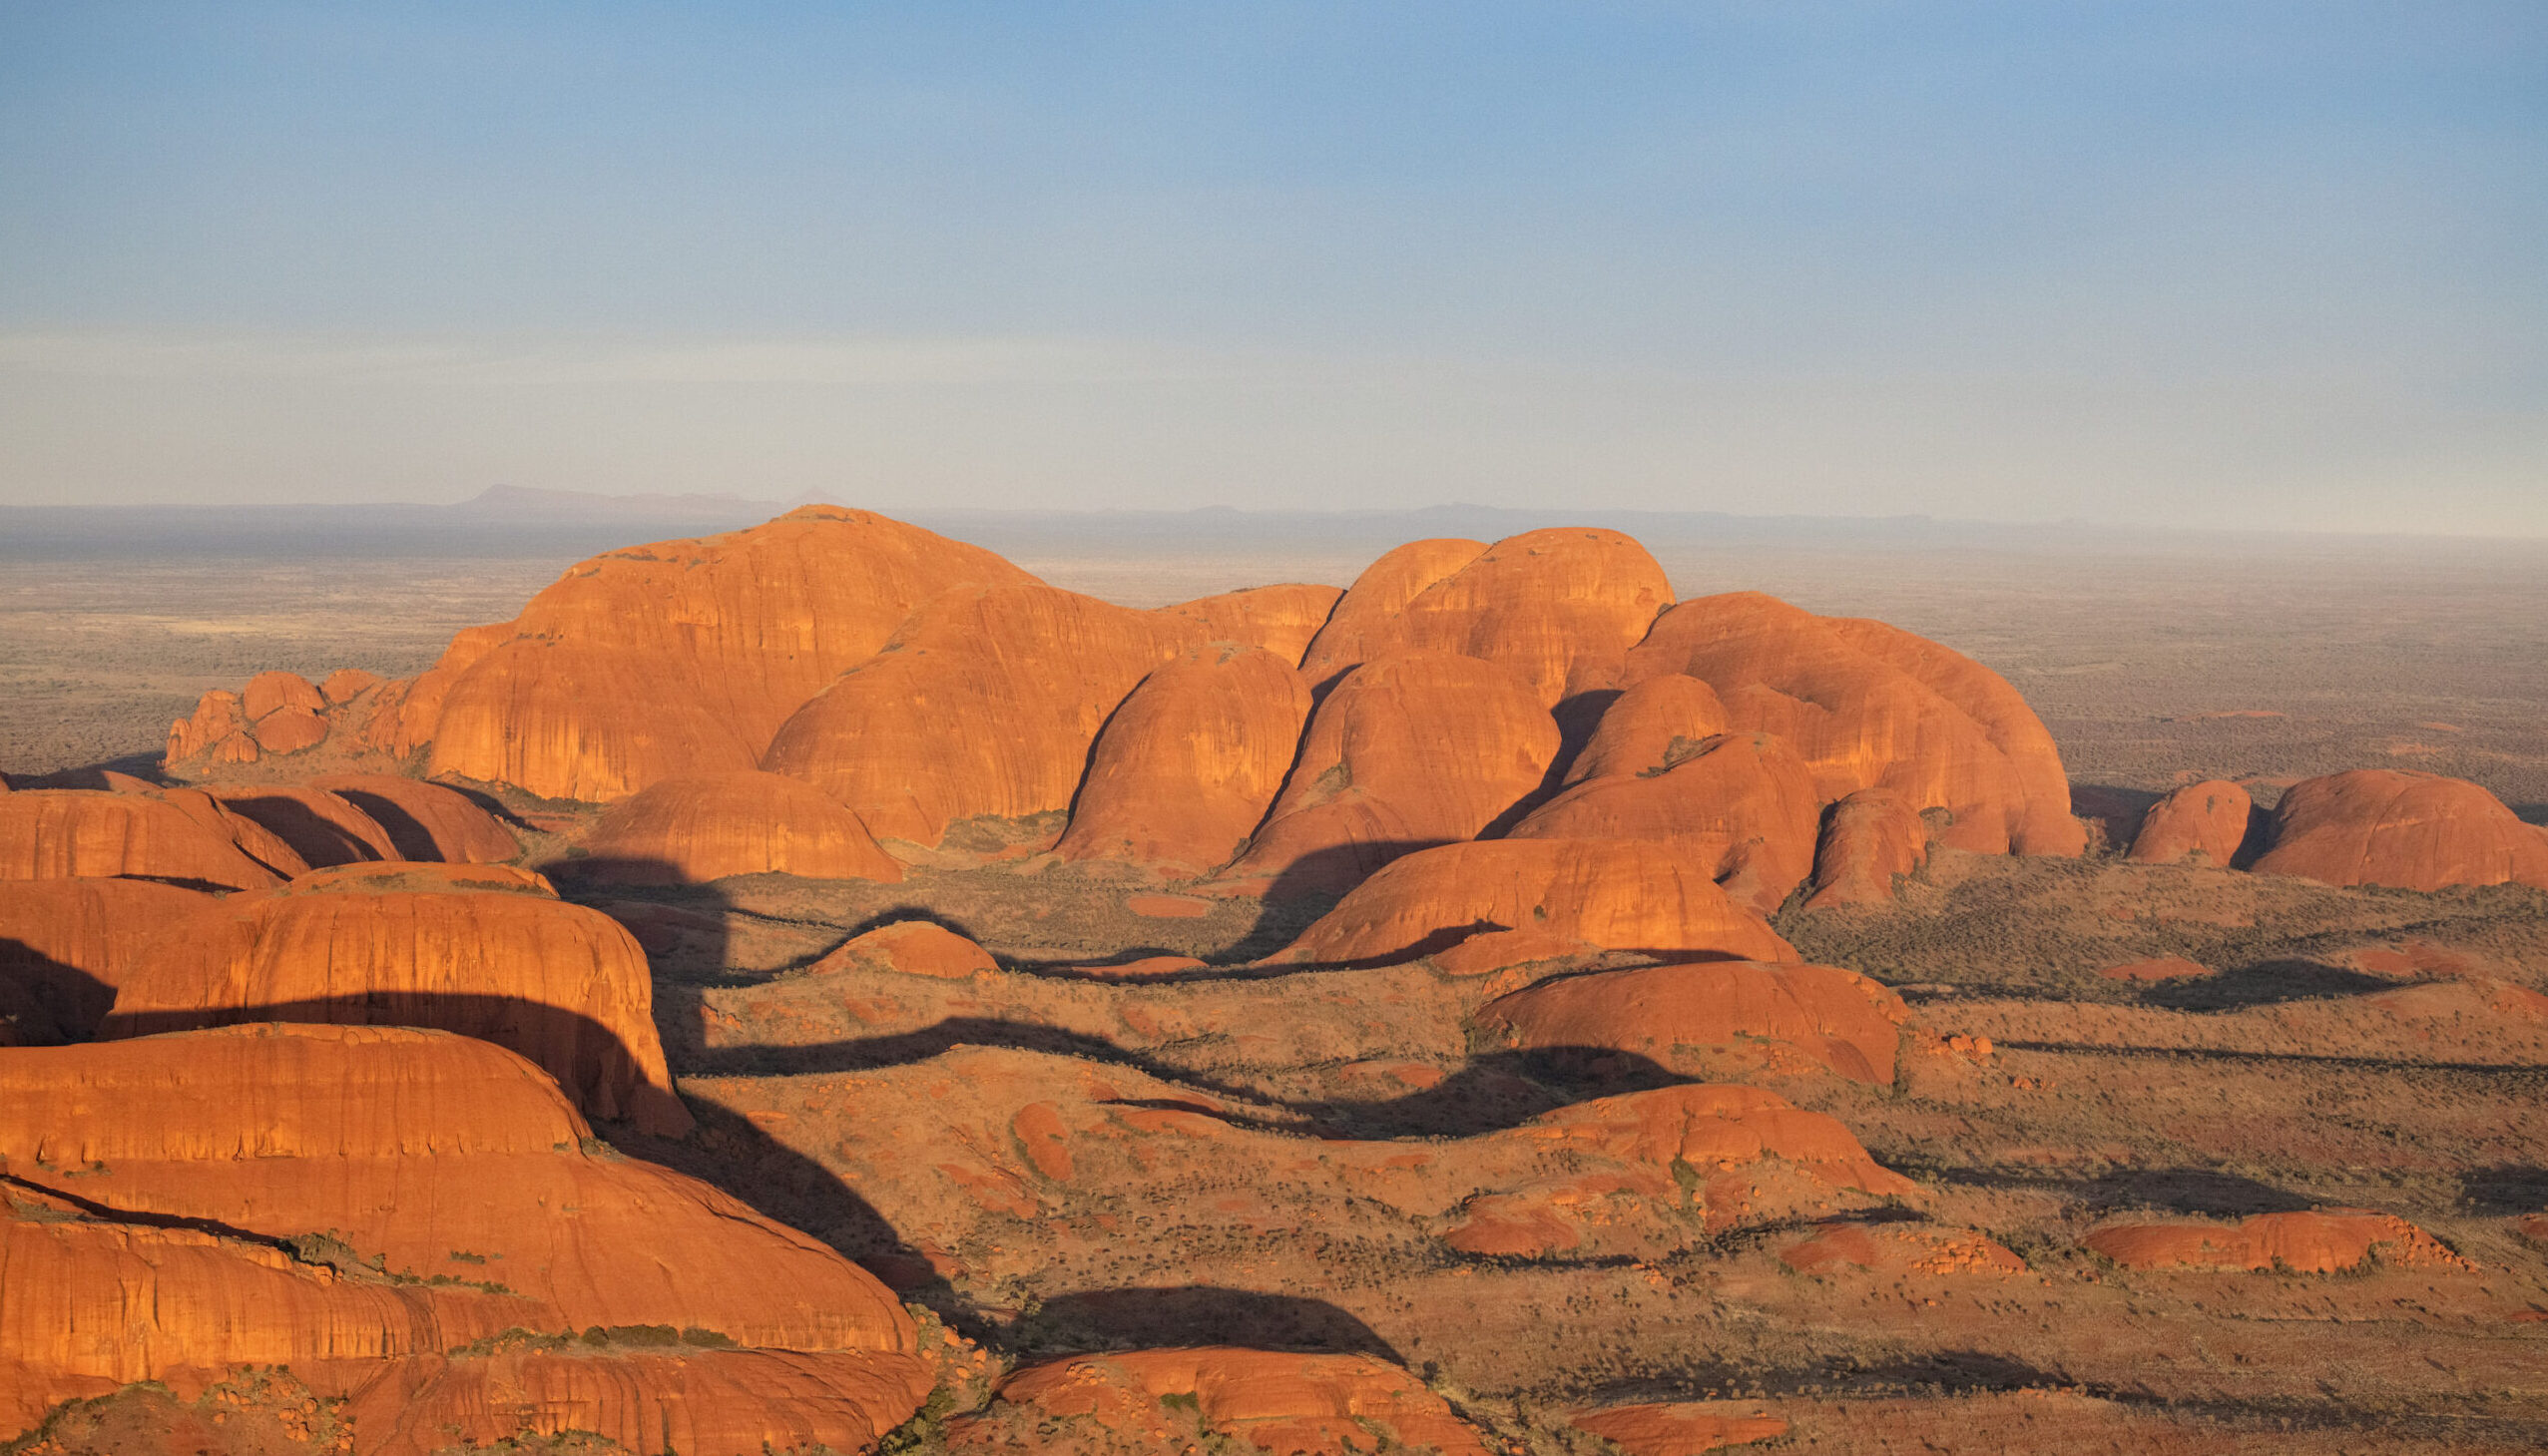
2322, 1241
913, 948
54, 833
1571, 893
1409, 751
1740, 806
2201, 823
484, 953
696, 828
1681, 1427
67, 944
1280, 620
2403, 830
324, 828
1184, 769
1271, 1400
425, 822
1869, 840
1837, 1018
1649, 727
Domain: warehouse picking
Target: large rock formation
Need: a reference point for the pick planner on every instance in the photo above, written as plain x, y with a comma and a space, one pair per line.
324, 828
484, 953
1409, 751
58, 832
462, 1197
696, 828
1559, 607
1649, 727
2202, 823
425, 822
679, 657
1871, 707
1560, 894
2400, 828
1742, 806
1869, 840
2319, 1241
67, 944
1184, 769
985, 703
1280, 620
1838, 1018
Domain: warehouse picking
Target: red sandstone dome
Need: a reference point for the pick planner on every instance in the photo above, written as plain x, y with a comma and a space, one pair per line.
1280, 620
1651, 726
67, 944
1184, 769
693, 829
1869, 840
1560, 606
1410, 749
2202, 823
448, 1162
1616, 894
1839, 1018
486, 952
59, 832
1871, 707
425, 822
324, 828
2403, 830
1740, 806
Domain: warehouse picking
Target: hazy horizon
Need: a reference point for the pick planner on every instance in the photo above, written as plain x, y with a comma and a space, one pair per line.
2233, 266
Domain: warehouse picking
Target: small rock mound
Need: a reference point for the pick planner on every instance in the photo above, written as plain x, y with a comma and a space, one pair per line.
425, 822
1838, 1018
693, 829
2403, 829
2324, 1242
1869, 840
2201, 823
1184, 769
1680, 1428
1168, 1400
914, 948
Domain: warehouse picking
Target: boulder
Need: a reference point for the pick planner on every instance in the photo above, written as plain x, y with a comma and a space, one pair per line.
1270, 1400
1838, 1018
290, 731
1611, 894
2201, 823
679, 657
347, 683
2403, 829
1184, 769
1280, 620
1742, 807
57, 832
268, 693
1869, 840
67, 944
217, 719
985, 703
2321, 1241
322, 829
1649, 727
425, 822
1409, 751
486, 952
696, 828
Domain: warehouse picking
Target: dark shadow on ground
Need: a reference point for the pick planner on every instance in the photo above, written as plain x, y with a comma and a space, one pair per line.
1194, 1314
145, 766
2193, 1191
2263, 984
2505, 1189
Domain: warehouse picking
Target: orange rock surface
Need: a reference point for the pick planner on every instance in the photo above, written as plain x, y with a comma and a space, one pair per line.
1409, 751
1270, 1400
422, 945
1280, 620
1680, 1428
1560, 606
1742, 805
2202, 823
217, 725
1839, 1018
67, 943
1624, 895
914, 948
322, 829
1651, 726
199, 1159
57, 832
693, 829
347, 683
425, 822
2316, 1243
1184, 769
1872, 708
268, 692
679, 657
1869, 840
2403, 830
290, 731
985, 703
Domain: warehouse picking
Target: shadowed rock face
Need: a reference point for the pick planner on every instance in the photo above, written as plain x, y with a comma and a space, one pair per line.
1651, 726
702, 827
184, 1173
1270, 1400
1742, 805
1869, 840
422, 945
2207, 819
1409, 751
1185, 769
425, 822
2403, 830
1870, 707
1838, 1018
324, 828
67, 944
59, 832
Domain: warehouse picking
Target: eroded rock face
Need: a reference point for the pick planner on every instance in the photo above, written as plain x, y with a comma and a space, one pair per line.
2201, 823
1615, 894
1280, 620
2321, 1241
679, 657
1649, 727
1838, 1018
67, 944
1407, 752
425, 822
2403, 830
1184, 769
426, 1155
486, 953
985, 703
1742, 805
1870, 707
1869, 840
324, 828
1559, 607
1270, 1400
696, 828
62, 832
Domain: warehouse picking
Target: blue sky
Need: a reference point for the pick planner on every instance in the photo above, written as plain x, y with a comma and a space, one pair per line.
2228, 263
